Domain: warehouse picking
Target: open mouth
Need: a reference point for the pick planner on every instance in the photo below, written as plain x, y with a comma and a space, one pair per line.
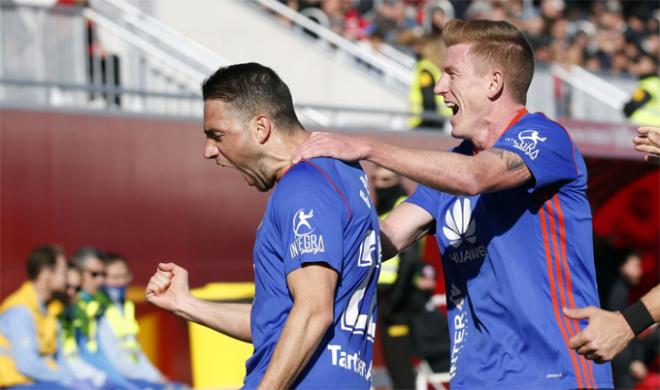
453, 107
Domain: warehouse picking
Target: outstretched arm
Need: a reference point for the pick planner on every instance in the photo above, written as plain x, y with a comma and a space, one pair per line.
608, 333
406, 224
454, 173
168, 289
313, 289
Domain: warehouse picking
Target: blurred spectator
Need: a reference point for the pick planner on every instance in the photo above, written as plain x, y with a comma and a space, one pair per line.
391, 20
395, 286
438, 13
118, 329
30, 355
629, 366
429, 325
644, 106
91, 303
430, 55
79, 368
603, 36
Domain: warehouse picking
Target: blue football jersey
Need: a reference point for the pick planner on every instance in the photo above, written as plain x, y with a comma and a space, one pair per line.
320, 212
512, 259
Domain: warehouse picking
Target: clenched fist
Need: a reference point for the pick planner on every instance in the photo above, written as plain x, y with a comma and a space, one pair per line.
168, 287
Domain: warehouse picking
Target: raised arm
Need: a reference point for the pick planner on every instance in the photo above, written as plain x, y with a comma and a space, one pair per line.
497, 169
403, 226
313, 288
168, 289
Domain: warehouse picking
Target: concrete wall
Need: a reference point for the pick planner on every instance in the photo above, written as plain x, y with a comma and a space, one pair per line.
239, 33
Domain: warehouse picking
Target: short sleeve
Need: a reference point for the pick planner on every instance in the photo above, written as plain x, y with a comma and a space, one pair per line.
546, 149
310, 214
426, 198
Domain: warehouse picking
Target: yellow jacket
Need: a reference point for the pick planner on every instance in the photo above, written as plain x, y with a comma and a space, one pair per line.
45, 325
649, 113
124, 326
421, 80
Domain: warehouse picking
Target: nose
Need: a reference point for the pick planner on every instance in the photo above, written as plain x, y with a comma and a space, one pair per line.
210, 149
442, 86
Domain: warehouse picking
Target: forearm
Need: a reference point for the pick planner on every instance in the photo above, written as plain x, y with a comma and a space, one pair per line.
35, 367
405, 225
300, 337
651, 301
388, 247
448, 172
231, 319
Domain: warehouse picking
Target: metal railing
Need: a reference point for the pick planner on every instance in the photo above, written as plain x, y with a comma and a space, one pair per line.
393, 72
160, 35
144, 66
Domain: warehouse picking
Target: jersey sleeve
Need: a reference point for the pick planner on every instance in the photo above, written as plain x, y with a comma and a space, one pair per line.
426, 198
310, 213
547, 151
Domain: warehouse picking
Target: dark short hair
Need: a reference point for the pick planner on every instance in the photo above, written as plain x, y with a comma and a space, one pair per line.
82, 255
42, 257
113, 257
253, 89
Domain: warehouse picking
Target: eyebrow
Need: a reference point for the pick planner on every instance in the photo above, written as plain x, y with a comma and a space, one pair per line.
450, 69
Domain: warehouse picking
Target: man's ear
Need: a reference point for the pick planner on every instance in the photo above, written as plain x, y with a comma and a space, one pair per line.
496, 85
263, 128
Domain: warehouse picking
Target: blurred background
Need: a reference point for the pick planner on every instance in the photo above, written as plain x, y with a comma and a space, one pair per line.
101, 139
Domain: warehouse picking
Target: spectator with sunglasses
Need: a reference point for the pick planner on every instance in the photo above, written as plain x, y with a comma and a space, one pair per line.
118, 329
80, 369
90, 305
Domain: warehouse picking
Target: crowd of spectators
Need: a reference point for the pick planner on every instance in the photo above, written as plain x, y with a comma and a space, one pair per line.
72, 326
608, 36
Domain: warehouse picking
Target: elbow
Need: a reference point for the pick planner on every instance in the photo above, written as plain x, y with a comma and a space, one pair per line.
320, 317
24, 365
470, 186
469, 180
323, 318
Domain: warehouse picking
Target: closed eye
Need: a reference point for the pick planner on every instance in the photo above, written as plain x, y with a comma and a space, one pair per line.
214, 135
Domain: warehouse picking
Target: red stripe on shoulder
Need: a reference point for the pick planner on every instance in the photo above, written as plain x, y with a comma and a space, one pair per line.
332, 183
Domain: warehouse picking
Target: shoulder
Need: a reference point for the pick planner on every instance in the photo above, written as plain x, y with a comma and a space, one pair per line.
315, 180
18, 315
536, 119
538, 130
316, 174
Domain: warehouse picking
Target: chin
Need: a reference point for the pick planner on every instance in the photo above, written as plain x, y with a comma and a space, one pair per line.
264, 187
456, 132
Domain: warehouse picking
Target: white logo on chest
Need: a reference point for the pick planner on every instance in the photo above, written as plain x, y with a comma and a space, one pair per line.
459, 225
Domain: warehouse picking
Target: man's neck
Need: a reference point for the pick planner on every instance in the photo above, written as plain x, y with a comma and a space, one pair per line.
494, 125
41, 290
281, 154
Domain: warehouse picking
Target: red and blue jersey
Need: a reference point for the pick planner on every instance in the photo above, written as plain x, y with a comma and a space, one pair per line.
320, 212
512, 259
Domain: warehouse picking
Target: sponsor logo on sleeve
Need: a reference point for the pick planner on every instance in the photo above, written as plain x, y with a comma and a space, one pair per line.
305, 241
527, 142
